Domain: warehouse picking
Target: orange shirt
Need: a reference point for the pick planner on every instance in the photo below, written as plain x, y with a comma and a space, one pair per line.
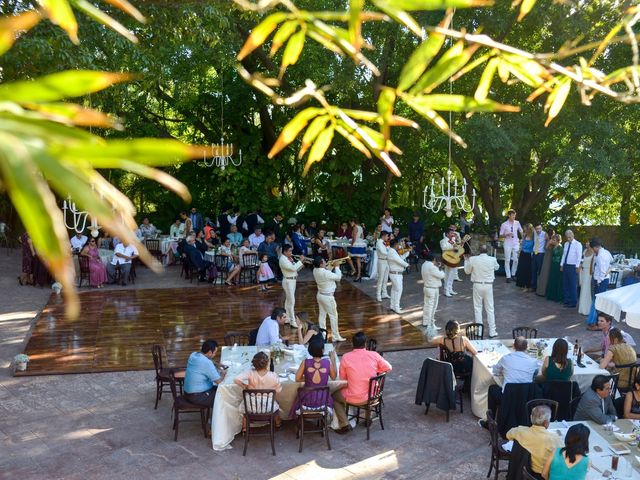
357, 367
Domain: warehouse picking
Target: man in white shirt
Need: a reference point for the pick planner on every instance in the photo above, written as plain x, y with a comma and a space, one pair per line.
290, 268
431, 282
256, 238
122, 256
601, 265
482, 269
569, 265
509, 230
382, 250
537, 255
269, 331
449, 243
326, 281
397, 264
78, 241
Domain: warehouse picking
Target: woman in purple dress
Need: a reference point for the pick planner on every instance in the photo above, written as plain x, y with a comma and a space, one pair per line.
315, 372
26, 277
97, 269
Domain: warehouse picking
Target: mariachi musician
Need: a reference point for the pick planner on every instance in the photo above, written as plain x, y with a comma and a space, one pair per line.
382, 250
326, 281
397, 264
449, 242
290, 268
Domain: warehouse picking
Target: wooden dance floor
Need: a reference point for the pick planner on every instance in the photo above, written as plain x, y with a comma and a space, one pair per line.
116, 328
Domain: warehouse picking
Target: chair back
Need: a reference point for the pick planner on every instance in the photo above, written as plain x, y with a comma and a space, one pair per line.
313, 401
494, 436
513, 406
474, 331
372, 344
156, 352
613, 278
172, 384
376, 386
153, 245
613, 379
552, 404
526, 332
573, 406
221, 262
324, 333
627, 371
84, 264
236, 338
258, 404
562, 392
527, 475
250, 260
253, 335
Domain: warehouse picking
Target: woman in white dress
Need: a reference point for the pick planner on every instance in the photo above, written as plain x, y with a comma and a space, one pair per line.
584, 305
358, 247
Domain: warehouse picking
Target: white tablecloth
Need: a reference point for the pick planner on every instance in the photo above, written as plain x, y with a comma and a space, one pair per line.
628, 466
491, 351
226, 419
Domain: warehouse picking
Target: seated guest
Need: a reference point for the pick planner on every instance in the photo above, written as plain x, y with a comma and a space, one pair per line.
201, 244
632, 400
312, 229
536, 439
245, 249
557, 366
307, 331
315, 372
596, 403
202, 378
256, 238
570, 462
260, 378
319, 247
147, 229
176, 231
234, 236
269, 331
97, 269
344, 231
515, 367
619, 353
233, 265
605, 323
270, 248
356, 367
195, 256
123, 255
459, 347
78, 242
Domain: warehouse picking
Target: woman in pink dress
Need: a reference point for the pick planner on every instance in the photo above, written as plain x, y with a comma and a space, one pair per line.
97, 269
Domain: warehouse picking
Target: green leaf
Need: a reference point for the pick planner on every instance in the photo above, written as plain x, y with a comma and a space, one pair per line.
435, 119
386, 102
58, 86
450, 62
293, 128
461, 103
355, 23
60, 13
126, 7
319, 148
260, 33
485, 80
73, 114
528, 71
413, 5
353, 139
556, 99
399, 16
282, 35
14, 26
525, 8
99, 16
293, 50
316, 126
29, 128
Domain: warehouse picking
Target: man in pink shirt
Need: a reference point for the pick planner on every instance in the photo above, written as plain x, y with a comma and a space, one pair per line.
510, 230
356, 367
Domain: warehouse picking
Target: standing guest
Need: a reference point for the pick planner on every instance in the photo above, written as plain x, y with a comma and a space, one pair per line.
277, 227
290, 268
523, 275
188, 224
356, 368
382, 251
586, 274
465, 225
482, 269
557, 367
431, 282
201, 378
596, 403
397, 264
196, 219
449, 243
260, 378
233, 217
264, 273
326, 281
618, 353
601, 266
123, 255
632, 400
271, 249
312, 229
554, 283
358, 246
416, 233
233, 264
78, 241
256, 238
543, 276
97, 269
344, 231
386, 221
147, 229
537, 439
224, 226
570, 462
208, 228
315, 372
250, 223
569, 265
28, 253
510, 230
269, 331
458, 346
234, 236
537, 254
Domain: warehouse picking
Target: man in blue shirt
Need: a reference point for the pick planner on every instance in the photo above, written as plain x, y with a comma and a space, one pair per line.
270, 248
202, 378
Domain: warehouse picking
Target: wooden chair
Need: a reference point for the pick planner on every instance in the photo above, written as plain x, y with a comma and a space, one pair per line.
474, 331
258, 411
318, 396
85, 273
527, 475
614, 275
629, 372
373, 405
552, 404
372, 345
182, 405
153, 245
464, 377
613, 379
573, 406
236, 338
222, 265
526, 332
498, 453
250, 265
162, 374
253, 335
324, 333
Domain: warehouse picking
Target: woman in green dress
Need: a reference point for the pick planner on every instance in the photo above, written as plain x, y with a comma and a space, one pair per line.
554, 284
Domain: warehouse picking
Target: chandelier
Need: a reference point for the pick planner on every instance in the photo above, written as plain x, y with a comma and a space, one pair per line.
76, 220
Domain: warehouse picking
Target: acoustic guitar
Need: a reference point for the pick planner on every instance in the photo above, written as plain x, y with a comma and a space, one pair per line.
452, 258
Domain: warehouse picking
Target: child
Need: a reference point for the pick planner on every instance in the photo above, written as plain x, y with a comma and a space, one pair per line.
260, 378
265, 274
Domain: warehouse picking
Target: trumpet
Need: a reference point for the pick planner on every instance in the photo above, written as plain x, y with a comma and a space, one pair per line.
402, 251
304, 260
331, 264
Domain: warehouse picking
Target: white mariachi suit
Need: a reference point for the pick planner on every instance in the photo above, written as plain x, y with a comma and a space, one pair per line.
482, 269
449, 272
326, 281
432, 281
289, 275
396, 269
383, 270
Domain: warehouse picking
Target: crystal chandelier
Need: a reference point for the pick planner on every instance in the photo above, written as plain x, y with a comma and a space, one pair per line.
76, 220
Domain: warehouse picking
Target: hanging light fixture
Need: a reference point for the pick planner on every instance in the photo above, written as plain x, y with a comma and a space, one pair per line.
76, 220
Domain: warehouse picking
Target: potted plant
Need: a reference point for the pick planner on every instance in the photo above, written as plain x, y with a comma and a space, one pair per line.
20, 362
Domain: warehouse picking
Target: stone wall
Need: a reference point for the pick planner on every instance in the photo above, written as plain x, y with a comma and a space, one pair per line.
614, 238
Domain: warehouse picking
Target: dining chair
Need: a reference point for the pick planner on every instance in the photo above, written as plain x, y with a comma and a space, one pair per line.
552, 404
526, 332
474, 331
318, 397
182, 405
374, 403
250, 265
498, 453
259, 412
236, 338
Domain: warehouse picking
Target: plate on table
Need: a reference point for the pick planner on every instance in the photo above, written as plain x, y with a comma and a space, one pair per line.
619, 448
625, 437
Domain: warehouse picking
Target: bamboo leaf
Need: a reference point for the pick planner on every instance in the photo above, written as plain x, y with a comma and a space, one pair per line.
292, 129
316, 126
58, 86
525, 8
293, 50
352, 138
355, 23
99, 16
399, 16
529, 71
461, 103
503, 72
60, 13
556, 99
450, 62
386, 102
322, 40
73, 114
282, 35
418, 5
435, 119
12, 27
319, 148
126, 7
485, 80
260, 33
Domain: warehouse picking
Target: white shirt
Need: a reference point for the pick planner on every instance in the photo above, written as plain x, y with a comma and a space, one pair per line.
431, 275
78, 243
232, 219
445, 244
289, 268
381, 250
481, 268
387, 224
396, 262
571, 253
516, 367
539, 241
256, 240
129, 251
326, 280
601, 265
268, 333
510, 231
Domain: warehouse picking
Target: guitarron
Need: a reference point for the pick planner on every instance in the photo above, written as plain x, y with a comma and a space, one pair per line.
452, 258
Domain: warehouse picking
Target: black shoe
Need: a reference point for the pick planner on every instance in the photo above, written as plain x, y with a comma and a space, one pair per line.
508, 280
483, 424
343, 430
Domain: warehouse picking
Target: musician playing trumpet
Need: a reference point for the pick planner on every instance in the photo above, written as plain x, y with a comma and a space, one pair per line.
449, 242
397, 264
326, 280
382, 250
290, 268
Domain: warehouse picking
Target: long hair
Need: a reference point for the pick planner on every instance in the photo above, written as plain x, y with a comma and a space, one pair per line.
559, 352
615, 336
576, 442
451, 329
